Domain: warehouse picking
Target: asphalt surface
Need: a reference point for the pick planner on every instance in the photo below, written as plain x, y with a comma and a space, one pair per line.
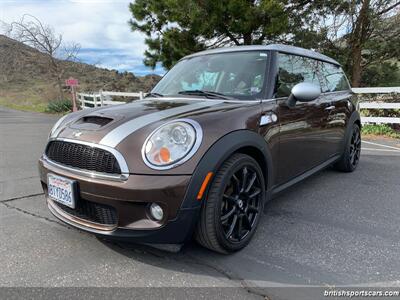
333, 229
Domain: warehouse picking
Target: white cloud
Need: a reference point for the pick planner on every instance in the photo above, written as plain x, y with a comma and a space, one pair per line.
94, 24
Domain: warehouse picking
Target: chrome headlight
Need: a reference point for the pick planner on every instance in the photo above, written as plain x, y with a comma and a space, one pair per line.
56, 126
172, 144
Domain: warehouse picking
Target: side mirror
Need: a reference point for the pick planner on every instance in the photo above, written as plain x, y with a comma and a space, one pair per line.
303, 92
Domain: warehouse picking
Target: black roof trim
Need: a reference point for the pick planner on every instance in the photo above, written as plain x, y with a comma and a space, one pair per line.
274, 47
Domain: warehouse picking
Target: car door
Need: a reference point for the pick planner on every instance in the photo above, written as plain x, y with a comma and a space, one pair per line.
336, 102
300, 127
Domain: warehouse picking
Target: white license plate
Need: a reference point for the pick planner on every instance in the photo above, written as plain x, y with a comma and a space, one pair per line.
61, 189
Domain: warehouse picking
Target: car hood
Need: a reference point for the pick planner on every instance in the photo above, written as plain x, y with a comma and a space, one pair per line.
125, 127
109, 126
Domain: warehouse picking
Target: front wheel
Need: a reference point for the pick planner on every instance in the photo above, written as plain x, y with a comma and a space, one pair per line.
230, 214
351, 155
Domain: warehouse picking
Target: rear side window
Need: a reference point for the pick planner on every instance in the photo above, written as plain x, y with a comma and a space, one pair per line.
293, 69
333, 78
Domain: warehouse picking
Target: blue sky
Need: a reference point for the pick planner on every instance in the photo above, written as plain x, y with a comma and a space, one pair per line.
99, 26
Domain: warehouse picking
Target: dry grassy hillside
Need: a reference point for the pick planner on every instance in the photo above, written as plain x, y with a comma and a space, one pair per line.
25, 82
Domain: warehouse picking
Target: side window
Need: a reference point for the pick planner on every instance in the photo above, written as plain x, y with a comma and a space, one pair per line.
293, 69
333, 78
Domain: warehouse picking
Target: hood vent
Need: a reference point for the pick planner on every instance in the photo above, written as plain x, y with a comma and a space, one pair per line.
100, 121
91, 123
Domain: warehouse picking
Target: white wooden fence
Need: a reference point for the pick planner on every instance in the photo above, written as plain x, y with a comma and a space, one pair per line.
104, 98
376, 90
379, 105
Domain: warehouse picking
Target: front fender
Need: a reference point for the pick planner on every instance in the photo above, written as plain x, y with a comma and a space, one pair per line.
237, 141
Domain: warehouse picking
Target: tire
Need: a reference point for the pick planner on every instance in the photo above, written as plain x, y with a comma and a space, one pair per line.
231, 212
351, 155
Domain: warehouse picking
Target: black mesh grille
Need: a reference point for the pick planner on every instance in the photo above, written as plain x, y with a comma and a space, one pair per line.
93, 212
83, 157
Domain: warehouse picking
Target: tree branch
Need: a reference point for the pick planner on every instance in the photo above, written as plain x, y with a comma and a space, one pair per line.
32, 32
231, 37
383, 11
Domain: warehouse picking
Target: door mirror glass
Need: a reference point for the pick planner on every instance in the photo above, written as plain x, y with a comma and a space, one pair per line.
305, 91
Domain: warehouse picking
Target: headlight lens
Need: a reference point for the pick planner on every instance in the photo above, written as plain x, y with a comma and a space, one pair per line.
172, 144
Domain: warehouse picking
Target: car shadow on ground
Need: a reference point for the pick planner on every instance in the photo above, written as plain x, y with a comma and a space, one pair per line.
327, 230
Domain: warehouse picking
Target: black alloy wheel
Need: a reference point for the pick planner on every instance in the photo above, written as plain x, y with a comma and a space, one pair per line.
240, 205
352, 152
234, 205
355, 147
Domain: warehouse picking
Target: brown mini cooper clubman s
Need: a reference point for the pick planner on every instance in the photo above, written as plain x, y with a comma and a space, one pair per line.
220, 134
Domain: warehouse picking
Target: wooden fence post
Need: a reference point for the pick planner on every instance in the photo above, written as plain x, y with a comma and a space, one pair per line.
101, 98
81, 100
94, 96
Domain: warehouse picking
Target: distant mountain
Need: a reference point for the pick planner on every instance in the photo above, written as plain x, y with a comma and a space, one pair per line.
24, 76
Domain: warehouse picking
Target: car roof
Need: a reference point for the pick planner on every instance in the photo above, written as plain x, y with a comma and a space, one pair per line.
272, 47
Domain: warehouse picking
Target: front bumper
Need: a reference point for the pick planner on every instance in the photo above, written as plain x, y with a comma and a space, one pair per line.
129, 201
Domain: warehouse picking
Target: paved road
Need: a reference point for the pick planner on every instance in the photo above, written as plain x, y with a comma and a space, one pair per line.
332, 229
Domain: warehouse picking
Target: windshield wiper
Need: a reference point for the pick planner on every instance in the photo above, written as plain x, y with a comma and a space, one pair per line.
155, 95
208, 94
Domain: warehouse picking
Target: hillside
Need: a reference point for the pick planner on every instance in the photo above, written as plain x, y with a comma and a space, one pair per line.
25, 82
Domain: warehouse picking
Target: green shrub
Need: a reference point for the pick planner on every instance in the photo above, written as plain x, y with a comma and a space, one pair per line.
59, 106
380, 129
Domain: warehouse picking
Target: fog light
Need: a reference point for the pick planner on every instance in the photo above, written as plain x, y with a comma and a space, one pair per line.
156, 212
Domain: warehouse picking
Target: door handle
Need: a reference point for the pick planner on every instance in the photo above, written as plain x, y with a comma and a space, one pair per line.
330, 107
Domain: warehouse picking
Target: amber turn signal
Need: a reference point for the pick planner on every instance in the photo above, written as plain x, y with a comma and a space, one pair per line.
165, 155
204, 185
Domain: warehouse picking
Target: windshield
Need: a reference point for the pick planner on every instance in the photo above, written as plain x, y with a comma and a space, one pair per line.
238, 75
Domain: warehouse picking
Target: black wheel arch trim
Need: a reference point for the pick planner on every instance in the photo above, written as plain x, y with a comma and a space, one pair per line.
220, 151
354, 118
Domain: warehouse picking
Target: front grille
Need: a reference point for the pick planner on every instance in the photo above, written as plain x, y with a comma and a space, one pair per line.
83, 157
92, 212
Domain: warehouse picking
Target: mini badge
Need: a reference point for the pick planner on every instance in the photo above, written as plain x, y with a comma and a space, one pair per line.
77, 134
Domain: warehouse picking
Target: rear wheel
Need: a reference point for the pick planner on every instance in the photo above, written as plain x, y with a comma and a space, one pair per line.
231, 212
352, 152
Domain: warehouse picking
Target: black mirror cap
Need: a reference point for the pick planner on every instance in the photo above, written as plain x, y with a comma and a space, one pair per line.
303, 92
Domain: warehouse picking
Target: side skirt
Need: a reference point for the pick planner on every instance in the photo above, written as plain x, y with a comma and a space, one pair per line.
276, 190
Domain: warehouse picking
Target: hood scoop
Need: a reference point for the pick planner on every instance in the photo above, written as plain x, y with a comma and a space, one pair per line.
91, 122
